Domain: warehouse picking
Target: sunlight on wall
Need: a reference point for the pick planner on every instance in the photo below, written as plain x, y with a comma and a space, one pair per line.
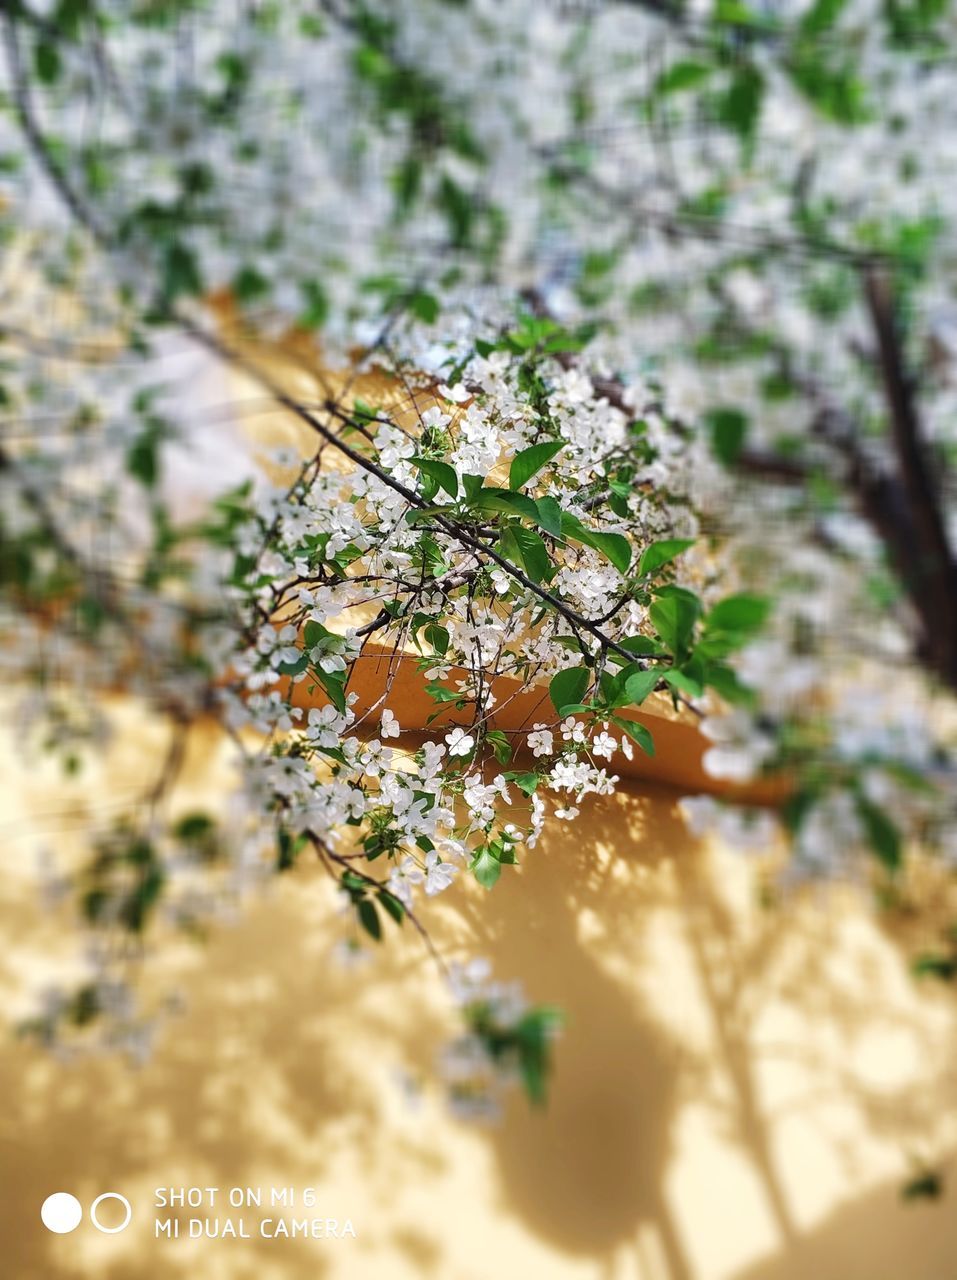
738, 1092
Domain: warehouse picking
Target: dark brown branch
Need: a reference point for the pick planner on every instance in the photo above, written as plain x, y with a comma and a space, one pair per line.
932, 571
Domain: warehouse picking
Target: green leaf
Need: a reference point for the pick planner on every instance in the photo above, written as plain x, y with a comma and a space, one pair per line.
613, 546
834, 88
927, 1185
369, 918
142, 461
506, 501
680, 76
534, 1036
294, 668
315, 309
195, 826
637, 732
883, 836
673, 617
549, 516
740, 105
822, 15
288, 848
725, 681
931, 964
662, 553
728, 429
500, 745
684, 683
314, 632
567, 687
46, 60
438, 638
525, 547
180, 271
424, 307
438, 693
639, 685
486, 868
249, 284
422, 515
526, 782
530, 461
334, 683
392, 905
443, 475
740, 613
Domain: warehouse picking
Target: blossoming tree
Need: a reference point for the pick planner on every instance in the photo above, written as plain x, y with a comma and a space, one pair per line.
658, 299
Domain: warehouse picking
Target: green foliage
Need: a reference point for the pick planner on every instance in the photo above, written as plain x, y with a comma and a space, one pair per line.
732, 623
525, 548
315, 310
739, 106
567, 688
425, 306
682, 75
728, 429
364, 894
833, 87
181, 274
915, 23
928, 1184
440, 472
658, 554
637, 732
674, 617
288, 848
882, 833
615, 547
822, 16
249, 285
369, 918
505, 501
46, 59
486, 867
933, 964
124, 882
527, 1044
640, 684
530, 461
409, 173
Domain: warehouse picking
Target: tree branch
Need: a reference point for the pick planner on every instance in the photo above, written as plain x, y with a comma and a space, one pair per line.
932, 571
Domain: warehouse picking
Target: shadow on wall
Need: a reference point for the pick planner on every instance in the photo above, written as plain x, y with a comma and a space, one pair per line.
240, 1086
674, 982
589, 1175
872, 1238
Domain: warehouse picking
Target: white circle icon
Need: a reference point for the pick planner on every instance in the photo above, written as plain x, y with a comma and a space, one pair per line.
61, 1213
111, 1195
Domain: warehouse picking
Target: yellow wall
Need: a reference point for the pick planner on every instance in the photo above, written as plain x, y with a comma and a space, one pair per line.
737, 1096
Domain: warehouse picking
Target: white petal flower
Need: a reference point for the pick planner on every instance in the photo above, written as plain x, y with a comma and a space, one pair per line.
438, 875
389, 726
460, 742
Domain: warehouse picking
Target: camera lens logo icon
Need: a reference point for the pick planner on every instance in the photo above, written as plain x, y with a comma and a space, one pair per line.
62, 1213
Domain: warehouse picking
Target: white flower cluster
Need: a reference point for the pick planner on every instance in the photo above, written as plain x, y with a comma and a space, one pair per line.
599, 321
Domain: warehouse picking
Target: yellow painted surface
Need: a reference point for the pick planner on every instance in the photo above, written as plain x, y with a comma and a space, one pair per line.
739, 1093
737, 1096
